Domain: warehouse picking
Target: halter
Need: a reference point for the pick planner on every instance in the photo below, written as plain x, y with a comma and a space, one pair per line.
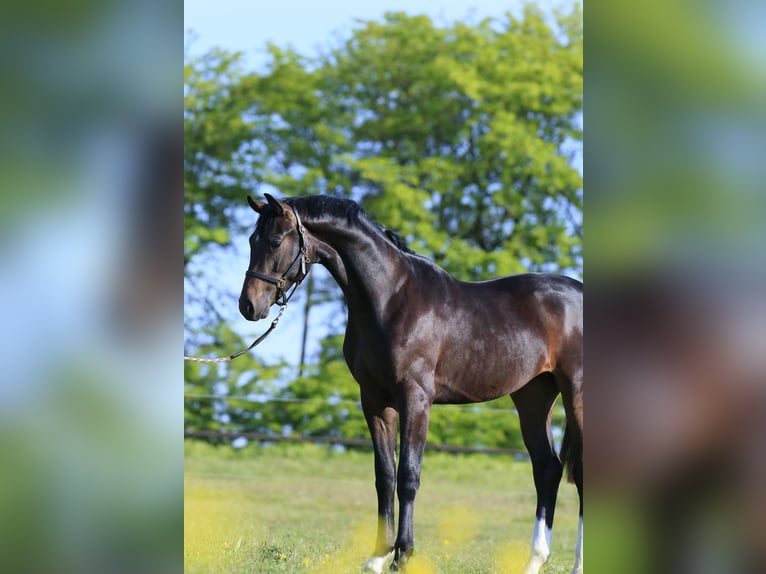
302, 258
282, 297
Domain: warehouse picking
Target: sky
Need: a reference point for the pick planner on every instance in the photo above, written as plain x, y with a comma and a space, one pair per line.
307, 26
247, 25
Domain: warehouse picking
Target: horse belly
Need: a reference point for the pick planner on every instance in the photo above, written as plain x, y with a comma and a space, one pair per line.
487, 373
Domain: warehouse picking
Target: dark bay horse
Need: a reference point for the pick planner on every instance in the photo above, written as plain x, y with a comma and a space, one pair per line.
417, 337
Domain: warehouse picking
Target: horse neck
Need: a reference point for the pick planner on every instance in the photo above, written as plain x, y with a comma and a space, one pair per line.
371, 269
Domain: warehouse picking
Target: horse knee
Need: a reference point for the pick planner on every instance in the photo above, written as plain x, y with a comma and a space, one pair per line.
385, 482
408, 486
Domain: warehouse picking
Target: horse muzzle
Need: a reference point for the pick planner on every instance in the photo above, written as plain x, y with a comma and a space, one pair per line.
249, 312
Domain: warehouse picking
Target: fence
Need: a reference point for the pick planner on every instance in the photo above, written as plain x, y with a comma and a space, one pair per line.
266, 437
346, 442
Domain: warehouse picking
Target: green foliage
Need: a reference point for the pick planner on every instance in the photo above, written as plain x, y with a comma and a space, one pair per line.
217, 154
488, 425
209, 387
331, 396
461, 138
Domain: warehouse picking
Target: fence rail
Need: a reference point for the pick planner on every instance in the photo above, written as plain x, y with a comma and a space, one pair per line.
354, 443
478, 408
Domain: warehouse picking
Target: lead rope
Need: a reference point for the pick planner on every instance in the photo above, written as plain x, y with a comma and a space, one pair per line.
253, 344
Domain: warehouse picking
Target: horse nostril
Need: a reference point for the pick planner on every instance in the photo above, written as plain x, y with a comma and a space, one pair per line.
246, 308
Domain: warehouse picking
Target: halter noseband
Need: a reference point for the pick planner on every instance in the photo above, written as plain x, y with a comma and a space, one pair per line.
302, 258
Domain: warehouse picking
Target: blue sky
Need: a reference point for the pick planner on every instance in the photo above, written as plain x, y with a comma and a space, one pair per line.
247, 25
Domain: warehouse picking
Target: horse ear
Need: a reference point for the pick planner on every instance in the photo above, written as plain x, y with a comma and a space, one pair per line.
276, 207
257, 206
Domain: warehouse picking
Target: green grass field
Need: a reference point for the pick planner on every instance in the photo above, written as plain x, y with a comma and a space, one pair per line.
305, 508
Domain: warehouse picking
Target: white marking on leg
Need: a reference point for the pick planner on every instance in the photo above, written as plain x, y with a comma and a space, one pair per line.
578, 551
541, 547
377, 563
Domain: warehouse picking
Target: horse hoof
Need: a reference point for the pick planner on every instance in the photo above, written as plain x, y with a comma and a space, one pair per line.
376, 564
535, 564
400, 564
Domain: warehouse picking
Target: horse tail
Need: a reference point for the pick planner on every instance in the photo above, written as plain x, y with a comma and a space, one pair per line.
571, 452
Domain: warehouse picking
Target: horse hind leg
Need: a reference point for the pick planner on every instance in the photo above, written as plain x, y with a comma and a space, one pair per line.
572, 447
534, 402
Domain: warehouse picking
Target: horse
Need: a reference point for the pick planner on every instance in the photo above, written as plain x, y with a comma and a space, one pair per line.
416, 337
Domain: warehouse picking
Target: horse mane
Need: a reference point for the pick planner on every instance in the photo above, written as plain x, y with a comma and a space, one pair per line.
395, 238
326, 206
319, 206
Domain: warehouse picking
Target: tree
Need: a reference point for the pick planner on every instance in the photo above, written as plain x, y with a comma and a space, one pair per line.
216, 139
462, 138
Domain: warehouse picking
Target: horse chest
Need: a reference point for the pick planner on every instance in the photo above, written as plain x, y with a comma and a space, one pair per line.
368, 357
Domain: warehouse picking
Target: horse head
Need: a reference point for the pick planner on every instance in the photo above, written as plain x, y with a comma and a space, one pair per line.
281, 254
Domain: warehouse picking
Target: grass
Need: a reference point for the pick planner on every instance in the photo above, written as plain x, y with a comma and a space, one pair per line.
308, 509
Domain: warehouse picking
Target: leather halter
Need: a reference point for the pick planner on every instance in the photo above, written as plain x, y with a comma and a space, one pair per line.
302, 258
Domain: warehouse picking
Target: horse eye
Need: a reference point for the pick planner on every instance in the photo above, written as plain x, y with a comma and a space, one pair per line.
274, 243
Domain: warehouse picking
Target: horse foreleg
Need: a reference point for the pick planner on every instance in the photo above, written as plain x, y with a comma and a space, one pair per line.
382, 424
414, 426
